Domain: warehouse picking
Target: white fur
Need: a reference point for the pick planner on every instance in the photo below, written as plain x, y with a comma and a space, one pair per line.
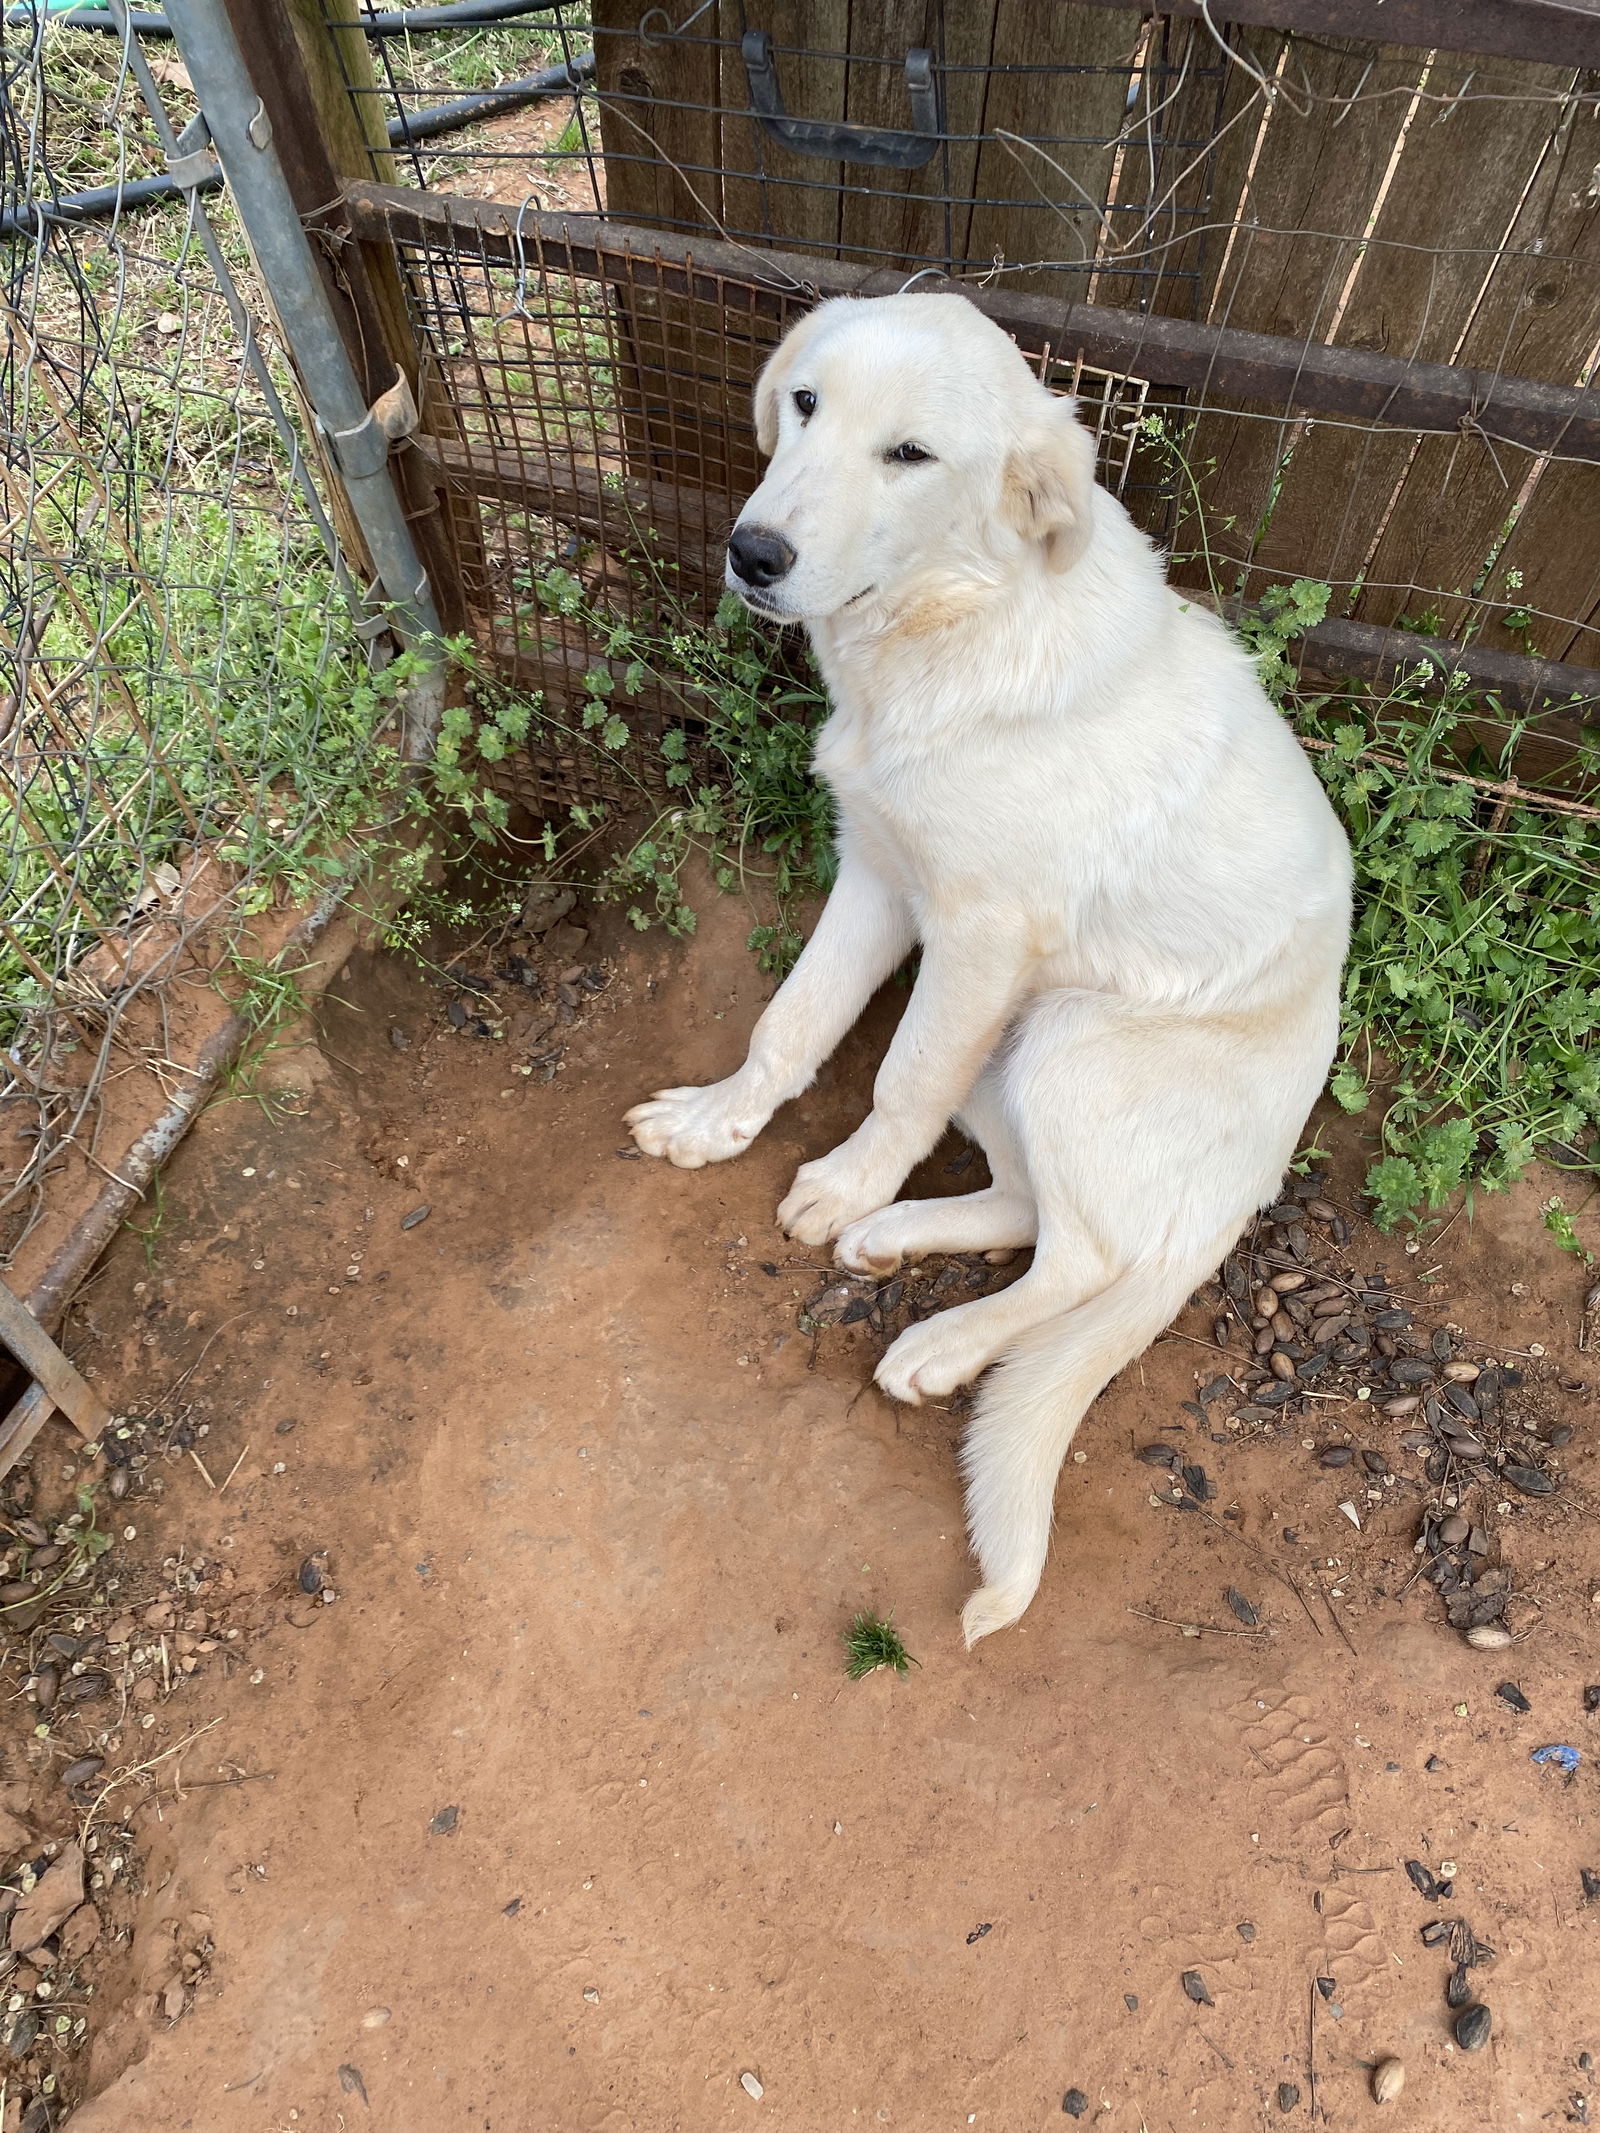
1131, 895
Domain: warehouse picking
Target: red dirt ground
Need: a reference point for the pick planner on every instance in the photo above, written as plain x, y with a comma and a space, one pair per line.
564, 1815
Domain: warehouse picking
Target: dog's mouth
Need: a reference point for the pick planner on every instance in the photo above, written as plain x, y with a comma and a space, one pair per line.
759, 605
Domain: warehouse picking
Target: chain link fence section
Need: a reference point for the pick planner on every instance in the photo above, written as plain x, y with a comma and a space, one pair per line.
188, 730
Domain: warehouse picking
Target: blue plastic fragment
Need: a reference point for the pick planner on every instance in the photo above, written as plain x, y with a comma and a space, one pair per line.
1558, 1752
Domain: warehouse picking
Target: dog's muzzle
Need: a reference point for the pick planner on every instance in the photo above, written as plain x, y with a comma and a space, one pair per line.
758, 557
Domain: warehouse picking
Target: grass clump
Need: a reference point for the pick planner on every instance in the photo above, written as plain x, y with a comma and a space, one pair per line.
871, 1643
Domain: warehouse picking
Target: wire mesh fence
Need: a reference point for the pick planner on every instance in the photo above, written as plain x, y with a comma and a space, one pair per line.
186, 726
1338, 194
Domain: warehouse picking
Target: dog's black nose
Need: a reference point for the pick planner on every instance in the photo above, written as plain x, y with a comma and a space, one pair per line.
759, 556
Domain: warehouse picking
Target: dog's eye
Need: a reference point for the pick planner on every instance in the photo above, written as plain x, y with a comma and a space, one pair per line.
806, 402
908, 455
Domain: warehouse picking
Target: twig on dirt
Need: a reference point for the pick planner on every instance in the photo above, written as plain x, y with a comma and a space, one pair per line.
256, 1777
1196, 1629
1217, 2048
1194, 1340
1288, 1579
134, 1770
239, 1462
1311, 2054
1333, 1617
200, 1463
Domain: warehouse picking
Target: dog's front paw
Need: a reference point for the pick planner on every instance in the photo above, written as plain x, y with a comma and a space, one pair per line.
693, 1127
827, 1196
931, 1359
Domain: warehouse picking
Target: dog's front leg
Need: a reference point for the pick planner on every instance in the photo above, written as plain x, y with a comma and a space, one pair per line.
864, 933
966, 992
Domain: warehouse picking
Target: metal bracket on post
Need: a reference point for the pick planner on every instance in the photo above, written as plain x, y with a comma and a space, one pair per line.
365, 449
879, 147
191, 162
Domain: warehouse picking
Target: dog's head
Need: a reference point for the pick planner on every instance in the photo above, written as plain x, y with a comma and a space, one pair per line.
915, 460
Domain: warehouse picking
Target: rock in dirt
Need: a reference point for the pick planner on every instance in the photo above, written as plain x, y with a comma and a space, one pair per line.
375, 2018
1591, 1883
1472, 2027
1288, 2097
444, 1822
544, 905
1074, 2103
1388, 2079
80, 1933
1195, 1986
49, 1903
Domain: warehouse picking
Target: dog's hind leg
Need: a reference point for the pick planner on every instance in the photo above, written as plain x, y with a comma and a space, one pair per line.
1002, 1216
953, 1347
985, 1221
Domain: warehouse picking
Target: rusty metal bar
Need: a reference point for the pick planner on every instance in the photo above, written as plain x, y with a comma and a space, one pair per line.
1563, 33
574, 495
1305, 377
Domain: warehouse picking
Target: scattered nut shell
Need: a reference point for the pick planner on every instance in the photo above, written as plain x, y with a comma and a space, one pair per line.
1489, 1637
1388, 2079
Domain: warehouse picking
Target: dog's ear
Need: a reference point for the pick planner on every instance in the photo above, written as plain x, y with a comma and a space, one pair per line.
1049, 484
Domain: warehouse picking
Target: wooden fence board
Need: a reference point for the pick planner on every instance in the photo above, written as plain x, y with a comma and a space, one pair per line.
1453, 196
1083, 109
1307, 202
1539, 317
658, 122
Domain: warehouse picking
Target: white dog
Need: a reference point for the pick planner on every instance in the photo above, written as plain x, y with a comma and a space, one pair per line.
1066, 785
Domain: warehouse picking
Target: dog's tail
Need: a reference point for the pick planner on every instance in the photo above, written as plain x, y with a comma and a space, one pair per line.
1028, 1412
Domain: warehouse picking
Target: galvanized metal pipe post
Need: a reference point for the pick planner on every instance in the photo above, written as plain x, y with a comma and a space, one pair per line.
358, 437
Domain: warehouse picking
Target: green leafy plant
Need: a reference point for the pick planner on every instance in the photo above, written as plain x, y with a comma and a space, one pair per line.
705, 729
872, 1642
1558, 1220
